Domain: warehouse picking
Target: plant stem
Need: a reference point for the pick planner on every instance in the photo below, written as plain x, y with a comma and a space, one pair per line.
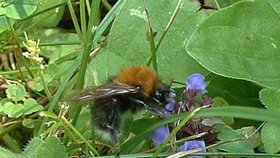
175, 131
169, 24
151, 40
19, 56
45, 85
75, 20
75, 111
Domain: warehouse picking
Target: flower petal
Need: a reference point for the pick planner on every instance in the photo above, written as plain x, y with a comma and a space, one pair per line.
194, 144
196, 82
160, 135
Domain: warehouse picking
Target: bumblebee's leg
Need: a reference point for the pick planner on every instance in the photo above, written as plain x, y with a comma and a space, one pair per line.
113, 122
113, 125
155, 110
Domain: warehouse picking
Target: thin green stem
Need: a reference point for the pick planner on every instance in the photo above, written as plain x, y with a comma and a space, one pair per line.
4, 130
107, 20
37, 21
75, 20
9, 46
8, 139
45, 85
11, 143
43, 11
66, 124
167, 28
83, 19
65, 121
170, 22
106, 4
16, 71
151, 39
217, 4
174, 132
60, 91
60, 43
19, 56
87, 49
88, 6
6, 43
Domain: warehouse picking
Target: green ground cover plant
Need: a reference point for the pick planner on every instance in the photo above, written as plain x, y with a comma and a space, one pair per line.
51, 49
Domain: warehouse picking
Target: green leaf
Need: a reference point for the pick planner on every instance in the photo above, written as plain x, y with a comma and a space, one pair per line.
144, 123
219, 102
235, 92
47, 18
127, 41
13, 110
235, 1
270, 132
51, 147
271, 137
255, 139
4, 25
32, 146
17, 110
271, 99
227, 133
16, 92
8, 154
30, 106
223, 3
18, 9
28, 123
242, 42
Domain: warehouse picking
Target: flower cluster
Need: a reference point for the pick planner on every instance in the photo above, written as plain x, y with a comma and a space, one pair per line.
193, 97
33, 51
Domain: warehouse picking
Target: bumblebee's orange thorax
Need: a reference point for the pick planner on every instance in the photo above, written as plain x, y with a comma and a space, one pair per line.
139, 76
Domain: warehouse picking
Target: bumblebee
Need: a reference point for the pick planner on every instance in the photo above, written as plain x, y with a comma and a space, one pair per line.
134, 88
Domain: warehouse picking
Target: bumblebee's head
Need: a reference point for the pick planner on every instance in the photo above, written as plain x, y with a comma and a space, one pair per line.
164, 95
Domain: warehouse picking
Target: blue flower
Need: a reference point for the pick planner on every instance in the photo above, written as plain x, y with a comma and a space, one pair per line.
196, 82
160, 135
194, 144
169, 108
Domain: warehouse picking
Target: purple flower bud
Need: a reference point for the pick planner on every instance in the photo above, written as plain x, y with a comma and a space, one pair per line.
194, 144
196, 82
169, 108
160, 135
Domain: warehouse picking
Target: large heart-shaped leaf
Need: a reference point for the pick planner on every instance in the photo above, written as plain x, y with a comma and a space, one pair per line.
241, 41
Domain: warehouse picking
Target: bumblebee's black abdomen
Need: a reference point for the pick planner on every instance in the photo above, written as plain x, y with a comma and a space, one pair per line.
107, 112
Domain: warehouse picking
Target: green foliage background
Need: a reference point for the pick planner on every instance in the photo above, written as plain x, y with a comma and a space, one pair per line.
236, 48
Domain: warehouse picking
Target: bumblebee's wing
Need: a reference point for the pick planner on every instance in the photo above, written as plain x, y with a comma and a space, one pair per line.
104, 91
